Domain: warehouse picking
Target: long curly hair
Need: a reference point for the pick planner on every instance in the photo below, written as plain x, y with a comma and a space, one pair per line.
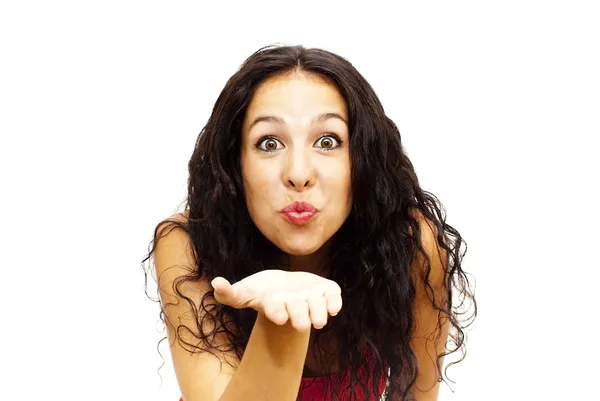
373, 250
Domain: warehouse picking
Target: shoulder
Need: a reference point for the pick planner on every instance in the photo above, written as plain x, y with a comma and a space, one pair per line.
431, 330
183, 289
181, 281
175, 257
177, 218
172, 231
171, 236
428, 228
432, 254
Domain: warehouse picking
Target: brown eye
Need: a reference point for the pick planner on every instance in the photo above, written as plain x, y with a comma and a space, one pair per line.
271, 144
328, 143
268, 145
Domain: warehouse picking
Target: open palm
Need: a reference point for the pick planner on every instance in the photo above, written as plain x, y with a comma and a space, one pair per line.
303, 298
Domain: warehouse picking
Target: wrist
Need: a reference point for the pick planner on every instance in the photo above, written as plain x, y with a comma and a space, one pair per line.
282, 341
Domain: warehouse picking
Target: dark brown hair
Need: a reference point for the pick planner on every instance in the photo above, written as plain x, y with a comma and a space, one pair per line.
374, 248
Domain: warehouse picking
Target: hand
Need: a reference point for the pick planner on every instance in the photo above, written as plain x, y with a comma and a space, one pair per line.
303, 298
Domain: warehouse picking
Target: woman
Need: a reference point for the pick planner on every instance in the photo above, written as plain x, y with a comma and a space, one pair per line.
308, 264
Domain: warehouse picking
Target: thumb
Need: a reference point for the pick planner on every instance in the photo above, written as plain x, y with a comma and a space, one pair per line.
224, 292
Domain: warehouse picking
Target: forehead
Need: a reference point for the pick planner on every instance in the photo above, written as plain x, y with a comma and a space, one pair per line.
296, 94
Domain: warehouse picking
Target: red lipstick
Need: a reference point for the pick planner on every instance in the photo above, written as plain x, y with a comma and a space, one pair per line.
299, 212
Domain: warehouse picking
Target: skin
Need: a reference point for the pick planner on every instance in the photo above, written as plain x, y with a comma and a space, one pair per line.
296, 163
296, 166
306, 158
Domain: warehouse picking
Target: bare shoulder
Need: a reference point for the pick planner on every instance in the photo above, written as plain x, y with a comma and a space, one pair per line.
200, 374
173, 247
429, 324
180, 286
436, 254
182, 218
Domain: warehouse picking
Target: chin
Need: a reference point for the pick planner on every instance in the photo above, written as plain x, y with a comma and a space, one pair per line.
300, 249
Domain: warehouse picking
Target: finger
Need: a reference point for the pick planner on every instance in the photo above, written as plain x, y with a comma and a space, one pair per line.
317, 306
298, 312
224, 291
334, 302
275, 310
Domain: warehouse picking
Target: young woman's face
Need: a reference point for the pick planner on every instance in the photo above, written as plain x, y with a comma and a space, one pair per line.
295, 148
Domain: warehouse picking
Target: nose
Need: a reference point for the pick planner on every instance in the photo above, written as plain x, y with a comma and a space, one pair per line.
299, 171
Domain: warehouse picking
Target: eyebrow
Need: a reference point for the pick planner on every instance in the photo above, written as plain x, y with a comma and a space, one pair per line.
278, 120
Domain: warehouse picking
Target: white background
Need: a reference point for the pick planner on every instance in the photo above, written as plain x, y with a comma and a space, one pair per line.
100, 104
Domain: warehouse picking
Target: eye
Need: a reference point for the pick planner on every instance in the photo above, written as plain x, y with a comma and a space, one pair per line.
268, 144
329, 142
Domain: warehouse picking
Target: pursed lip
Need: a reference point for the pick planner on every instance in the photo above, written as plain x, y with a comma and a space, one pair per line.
299, 207
299, 213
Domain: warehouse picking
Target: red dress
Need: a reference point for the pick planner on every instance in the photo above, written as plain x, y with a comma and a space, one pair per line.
314, 388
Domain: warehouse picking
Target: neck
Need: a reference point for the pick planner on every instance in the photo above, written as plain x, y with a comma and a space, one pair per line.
315, 263
309, 263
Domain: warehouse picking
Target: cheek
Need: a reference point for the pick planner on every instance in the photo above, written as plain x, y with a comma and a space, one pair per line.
338, 181
345, 193
259, 186
346, 196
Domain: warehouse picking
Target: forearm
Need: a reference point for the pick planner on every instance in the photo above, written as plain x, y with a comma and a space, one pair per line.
272, 365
